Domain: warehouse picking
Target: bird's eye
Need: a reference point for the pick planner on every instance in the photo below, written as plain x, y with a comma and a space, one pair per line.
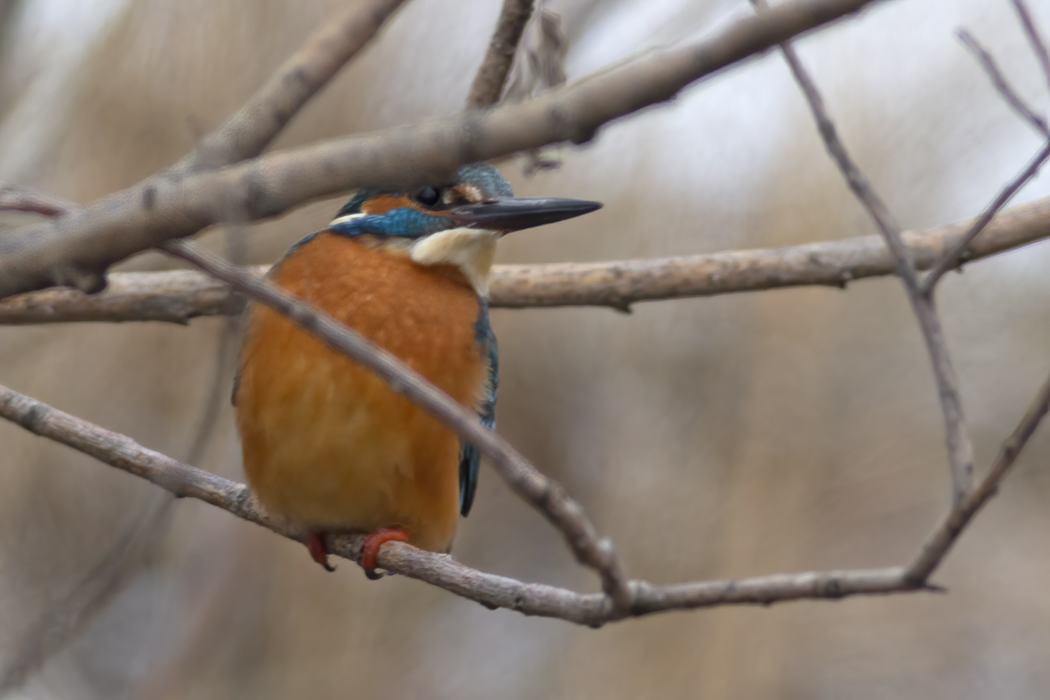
427, 196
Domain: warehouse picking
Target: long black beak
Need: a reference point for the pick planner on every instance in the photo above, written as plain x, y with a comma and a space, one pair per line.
508, 215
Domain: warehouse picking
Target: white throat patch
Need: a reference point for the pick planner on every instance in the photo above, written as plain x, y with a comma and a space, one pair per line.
471, 250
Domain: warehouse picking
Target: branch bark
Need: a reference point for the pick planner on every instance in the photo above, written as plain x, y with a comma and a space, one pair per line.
76, 249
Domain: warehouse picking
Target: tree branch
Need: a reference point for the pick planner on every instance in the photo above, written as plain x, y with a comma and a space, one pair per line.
77, 248
488, 84
177, 296
529, 598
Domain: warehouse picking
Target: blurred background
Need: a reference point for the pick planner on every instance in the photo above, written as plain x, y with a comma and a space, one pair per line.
732, 436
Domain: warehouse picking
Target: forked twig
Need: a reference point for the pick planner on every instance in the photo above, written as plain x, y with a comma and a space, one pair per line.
1002, 84
955, 256
957, 434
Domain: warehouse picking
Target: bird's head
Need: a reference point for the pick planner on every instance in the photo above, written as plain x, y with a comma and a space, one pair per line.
454, 224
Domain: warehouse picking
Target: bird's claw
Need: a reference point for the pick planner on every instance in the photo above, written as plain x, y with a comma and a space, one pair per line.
370, 549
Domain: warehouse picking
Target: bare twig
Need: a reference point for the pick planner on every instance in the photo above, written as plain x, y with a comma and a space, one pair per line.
177, 296
251, 129
954, 256
1038, 45
541, 492
63, 620
1002, 84
441, 570
13, 198
936, 547
492, 75
957, 435
76, 249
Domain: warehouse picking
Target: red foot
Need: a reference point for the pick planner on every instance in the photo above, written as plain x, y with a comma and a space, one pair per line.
373, 542
318, 550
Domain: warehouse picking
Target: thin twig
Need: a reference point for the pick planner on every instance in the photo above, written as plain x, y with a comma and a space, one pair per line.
936, 547
1034, 38
538, 490
442, 570
64, 619
14, 198
954, 257
251, 129
77, 249
492, 75
177, 296
957, 434
1002, 84
90, 596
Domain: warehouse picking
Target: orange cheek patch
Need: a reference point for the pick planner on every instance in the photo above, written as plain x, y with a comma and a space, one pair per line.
384, 203
388, 202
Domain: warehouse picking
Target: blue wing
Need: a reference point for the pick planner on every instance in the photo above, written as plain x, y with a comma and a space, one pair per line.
469, 457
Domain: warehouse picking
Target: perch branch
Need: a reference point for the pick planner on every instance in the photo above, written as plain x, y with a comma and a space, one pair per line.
441, 570
529, 598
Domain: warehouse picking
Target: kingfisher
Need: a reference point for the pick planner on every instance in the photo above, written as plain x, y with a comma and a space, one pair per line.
328, 446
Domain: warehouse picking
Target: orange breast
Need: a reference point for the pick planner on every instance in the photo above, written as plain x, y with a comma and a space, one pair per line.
327, 446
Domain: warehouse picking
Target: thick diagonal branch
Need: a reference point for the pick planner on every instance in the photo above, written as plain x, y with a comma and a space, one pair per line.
540, 491
77, 249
